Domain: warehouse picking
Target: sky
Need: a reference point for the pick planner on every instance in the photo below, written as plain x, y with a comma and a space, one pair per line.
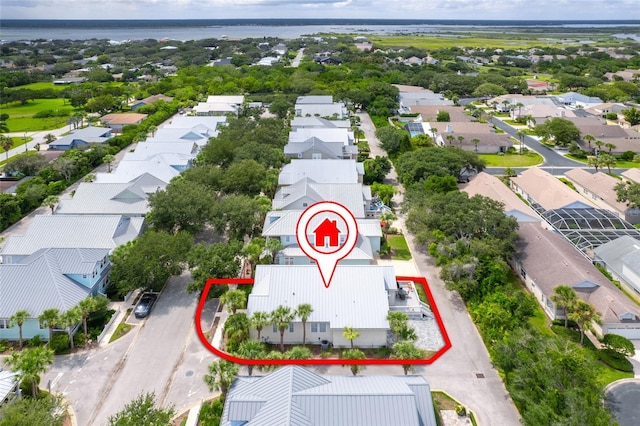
383, 9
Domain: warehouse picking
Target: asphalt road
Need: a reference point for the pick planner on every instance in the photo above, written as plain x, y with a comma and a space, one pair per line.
465, 370
623, 399
162, 354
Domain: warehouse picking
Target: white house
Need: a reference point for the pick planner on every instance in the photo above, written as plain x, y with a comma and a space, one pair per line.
357, 298
320, 106
322, 171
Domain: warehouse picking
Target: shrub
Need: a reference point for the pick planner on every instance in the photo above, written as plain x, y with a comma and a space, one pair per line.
460, 410
78, 339
613, 360
211, 413
4, 345
59, 343
627, 156
35, 341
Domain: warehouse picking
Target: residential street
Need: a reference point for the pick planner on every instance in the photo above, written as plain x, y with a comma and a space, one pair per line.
465, 370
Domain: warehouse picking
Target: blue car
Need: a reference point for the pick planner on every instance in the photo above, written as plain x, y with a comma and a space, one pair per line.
145, 304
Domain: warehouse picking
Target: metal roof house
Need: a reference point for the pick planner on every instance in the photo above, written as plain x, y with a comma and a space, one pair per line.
621, 257
82, 138
322, 171
71, 231
49, 278
320, 106
318, 123
357, 297
162, 166
9, 385
293, 395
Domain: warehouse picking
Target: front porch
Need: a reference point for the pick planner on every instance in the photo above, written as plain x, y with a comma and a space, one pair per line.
405, 299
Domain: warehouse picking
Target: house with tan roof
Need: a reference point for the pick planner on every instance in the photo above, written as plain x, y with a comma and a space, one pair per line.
117, 121
600, 188
543, 191
430, 112
149, 100
545, 260
626, 75
631, 175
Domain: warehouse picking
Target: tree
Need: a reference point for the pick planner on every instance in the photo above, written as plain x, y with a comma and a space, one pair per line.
259, 320
589, 139
595, 161
521, 135
143, 410
282, 317
219, 260
386, 219
51, 201
30, 364
376, 169
253, 250
406, 350
19, 318
619, 344
450, 138
599, 144
629, 193
273, 246
303, 311
182, 205
350, 334
49, 410
221, 375
109, 158
584, 315
489, 90
392, 139
50, 318
234, 300
562, 131
475, 142
632, 115
509, 172
564, 297
90, 177
236, 329
152, 130
149, 260
420, 164
251, 349
87, 307
460, 139
443, 116
244, 178
49, 137
354, 354
69, 319
610, 146
298, 352
6, 142
608, 160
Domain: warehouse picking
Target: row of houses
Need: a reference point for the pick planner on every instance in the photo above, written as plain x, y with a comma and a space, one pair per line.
562, 235
62, 258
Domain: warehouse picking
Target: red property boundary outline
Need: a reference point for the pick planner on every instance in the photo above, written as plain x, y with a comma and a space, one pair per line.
224, 355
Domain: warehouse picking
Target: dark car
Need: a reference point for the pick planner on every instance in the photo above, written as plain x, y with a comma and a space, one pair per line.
145, 304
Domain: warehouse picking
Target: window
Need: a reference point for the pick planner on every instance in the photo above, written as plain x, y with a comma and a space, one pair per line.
4, 323
288, 260
316, 156
291, 327
275, 329
323, 327
314, 327
318, 327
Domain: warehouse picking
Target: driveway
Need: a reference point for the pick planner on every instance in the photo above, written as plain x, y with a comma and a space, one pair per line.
622, 398
465, 370
162, 355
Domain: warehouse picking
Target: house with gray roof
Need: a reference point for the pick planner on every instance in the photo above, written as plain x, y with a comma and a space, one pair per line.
578, 99
71, 231
9, 385
321, 171
600, 187
281, 225
315, 148
358, 297
126, 199
319, 123
82, 138
150, 100
320, 106
545, 260
220, 105
621, 257
354, 196
49, 278
306, 398
162, 166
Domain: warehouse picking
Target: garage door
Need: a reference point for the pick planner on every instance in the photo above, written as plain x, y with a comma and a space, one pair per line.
629, 333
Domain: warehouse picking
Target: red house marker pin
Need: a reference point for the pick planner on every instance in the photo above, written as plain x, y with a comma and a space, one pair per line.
335, 221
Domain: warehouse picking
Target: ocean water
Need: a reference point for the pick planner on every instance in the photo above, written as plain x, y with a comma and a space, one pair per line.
12, 30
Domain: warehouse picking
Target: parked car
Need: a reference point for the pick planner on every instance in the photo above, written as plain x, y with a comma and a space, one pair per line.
145, 304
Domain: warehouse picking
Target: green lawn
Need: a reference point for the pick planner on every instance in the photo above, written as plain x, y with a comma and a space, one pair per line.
512, 160
399, 248
513, 41
40, 86
21, 116
619, 164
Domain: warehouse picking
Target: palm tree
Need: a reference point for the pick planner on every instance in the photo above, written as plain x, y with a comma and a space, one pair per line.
49, 137
298, 352
86, 307
6, 142
353, 354
273, 246
236, 327
259, 320
221, 375
434, 133
109, 158
475, 142
565, 298
406, 350
450, 138
599, 144
282, 317
90, 177
589, 139
51, 202
397, 321
521, 135
69, 319
608, 160
303, 311
584, 315
254, 249
358, 133
251, 349
460, 139
50, 318
153, 130
234, 300
350, 334
610, 146
30, 364
19, 318
595, 162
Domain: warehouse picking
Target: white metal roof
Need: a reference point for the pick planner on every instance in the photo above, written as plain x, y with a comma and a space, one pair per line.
322, 171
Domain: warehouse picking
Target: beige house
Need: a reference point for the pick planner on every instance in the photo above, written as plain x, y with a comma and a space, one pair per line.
600, 188
632, 175
117, 121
